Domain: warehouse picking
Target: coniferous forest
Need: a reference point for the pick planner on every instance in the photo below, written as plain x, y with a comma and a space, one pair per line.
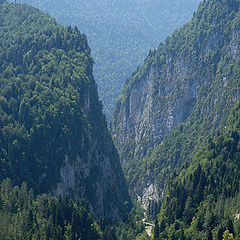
168, 164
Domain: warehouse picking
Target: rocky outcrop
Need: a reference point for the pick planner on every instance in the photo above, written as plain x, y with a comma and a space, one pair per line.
150, 111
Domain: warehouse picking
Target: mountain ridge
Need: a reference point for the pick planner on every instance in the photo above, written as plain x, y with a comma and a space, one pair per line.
53, 132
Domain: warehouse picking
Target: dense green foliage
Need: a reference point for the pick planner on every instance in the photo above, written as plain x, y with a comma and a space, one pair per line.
204, 200
45, 217
53, 134
24, 216
120, 33
42, 93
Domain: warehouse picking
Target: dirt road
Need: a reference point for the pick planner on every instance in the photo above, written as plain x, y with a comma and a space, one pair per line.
148, 227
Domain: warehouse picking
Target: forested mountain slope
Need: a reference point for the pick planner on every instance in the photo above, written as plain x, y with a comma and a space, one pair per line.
25, 216
203, 202
53, 134
180, 97
120, 33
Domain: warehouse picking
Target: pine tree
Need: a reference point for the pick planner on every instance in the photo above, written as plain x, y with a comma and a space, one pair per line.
156, 234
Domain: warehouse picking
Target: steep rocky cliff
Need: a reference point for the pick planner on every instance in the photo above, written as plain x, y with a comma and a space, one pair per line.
53, 133
179, 97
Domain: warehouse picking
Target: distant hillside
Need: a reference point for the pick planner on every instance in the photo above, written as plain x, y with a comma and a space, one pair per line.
53, 134
120, 33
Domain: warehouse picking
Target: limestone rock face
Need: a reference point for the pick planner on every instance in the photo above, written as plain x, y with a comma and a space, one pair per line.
147, 116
